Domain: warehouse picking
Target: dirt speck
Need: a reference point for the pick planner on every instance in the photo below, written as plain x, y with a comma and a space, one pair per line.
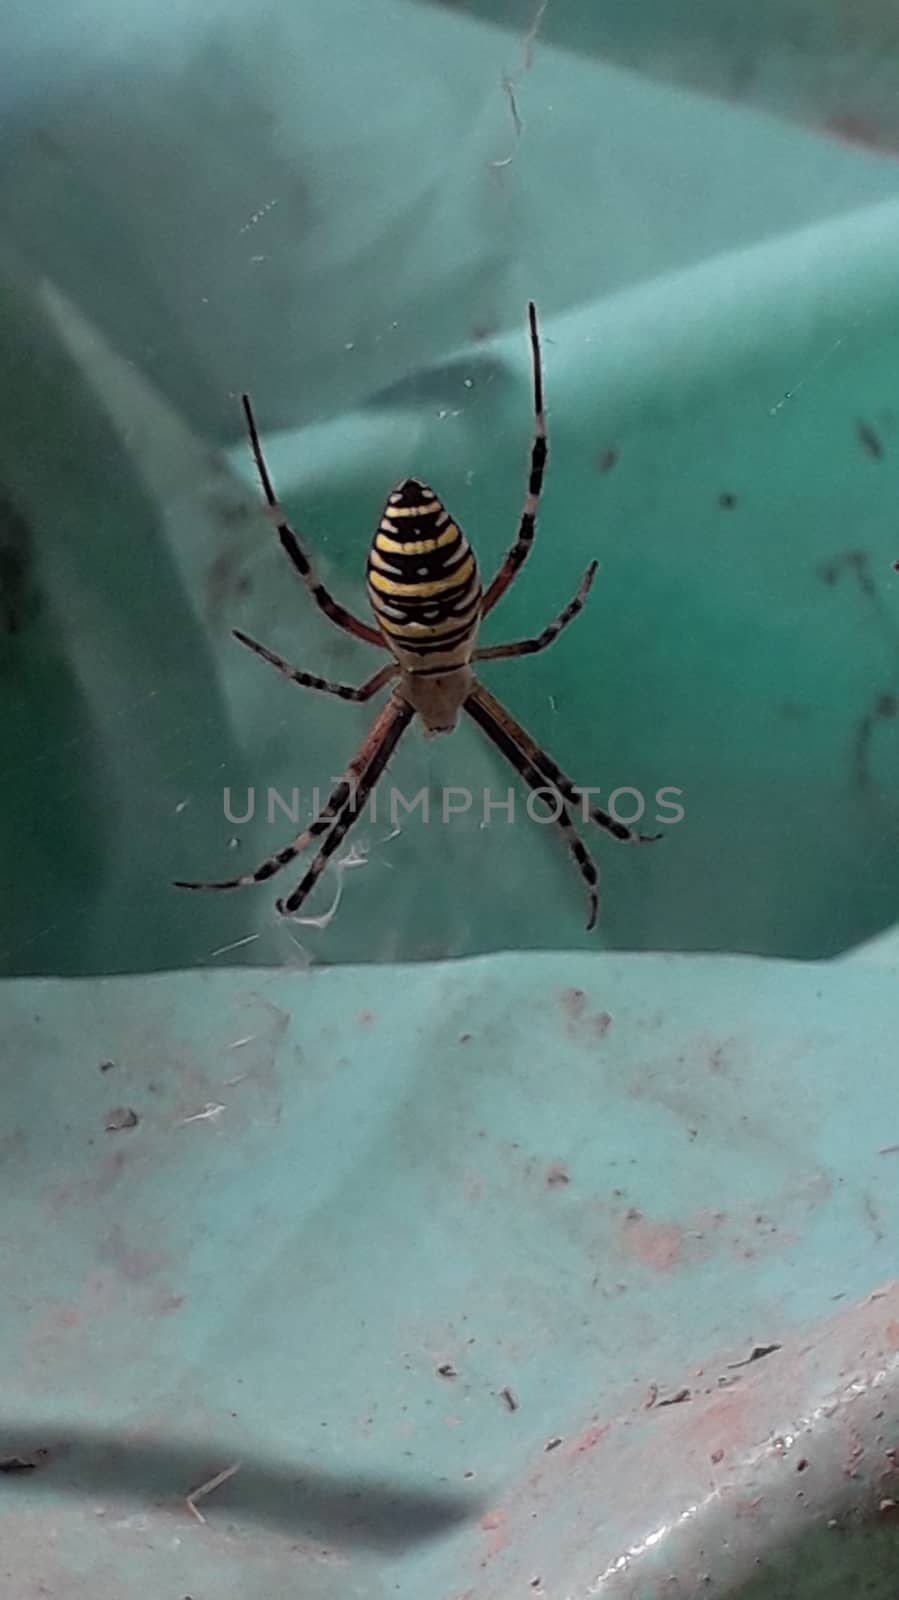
447, 1370
716, 1457
726, 500
870, 440
168, 1303
717, 1060
365, 1019
601, 1023
677, 1398
106, 1066
607, 459
557, 1176
510, 1398
121, 1118
573, 1003
37, 1458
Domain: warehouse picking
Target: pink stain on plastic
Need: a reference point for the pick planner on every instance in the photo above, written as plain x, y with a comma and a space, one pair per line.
656, 1244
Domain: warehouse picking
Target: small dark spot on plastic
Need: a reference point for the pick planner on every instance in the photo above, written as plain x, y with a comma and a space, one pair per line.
106, 1066
573, 1001
801, 1465
552, 1444
447, 1370
25, 1463
726, 500
870, 440
607, 459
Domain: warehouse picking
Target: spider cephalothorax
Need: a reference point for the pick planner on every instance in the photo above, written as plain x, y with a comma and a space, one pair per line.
426, 594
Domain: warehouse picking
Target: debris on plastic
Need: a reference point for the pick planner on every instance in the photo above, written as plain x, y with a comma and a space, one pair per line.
757, 1353
207, 1488
210, 1111
447, 1370
510, 1397
12, 1464
120, 1118
676, 1399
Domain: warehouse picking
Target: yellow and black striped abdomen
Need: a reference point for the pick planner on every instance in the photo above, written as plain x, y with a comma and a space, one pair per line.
423, 581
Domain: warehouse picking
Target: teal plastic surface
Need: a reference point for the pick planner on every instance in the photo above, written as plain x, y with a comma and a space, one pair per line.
431, 1277
713, 655
563, 1269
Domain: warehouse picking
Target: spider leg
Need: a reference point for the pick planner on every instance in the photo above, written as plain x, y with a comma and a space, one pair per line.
395, 715
528, 647
382, 741
333, 611
307, 680
490, 707
536, 780
526, 528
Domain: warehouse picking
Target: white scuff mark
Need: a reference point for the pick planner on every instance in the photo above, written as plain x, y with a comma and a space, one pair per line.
210, 1111
181, 806
208, 1487
258, 215
395, 834
238, 1044
237, 945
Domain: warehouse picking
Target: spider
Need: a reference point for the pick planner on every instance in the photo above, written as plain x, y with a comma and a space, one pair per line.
426, 594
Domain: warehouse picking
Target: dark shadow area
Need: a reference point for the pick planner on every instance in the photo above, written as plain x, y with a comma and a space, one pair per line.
351, 1509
